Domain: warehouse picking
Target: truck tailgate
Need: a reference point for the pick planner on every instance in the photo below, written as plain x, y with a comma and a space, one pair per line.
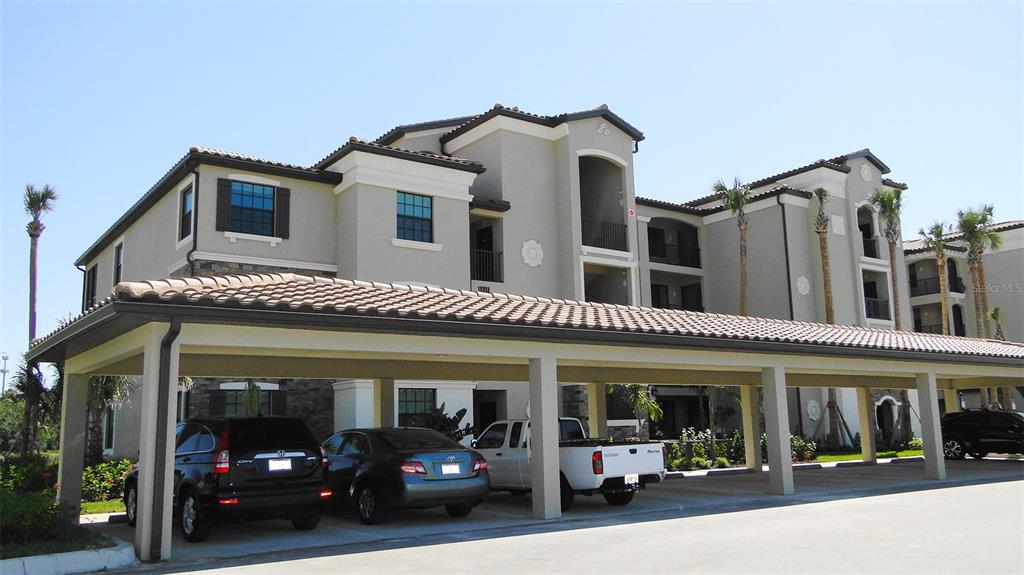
639, 458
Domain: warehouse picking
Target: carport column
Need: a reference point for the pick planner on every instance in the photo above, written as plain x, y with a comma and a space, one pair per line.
544, 466
951, 397
751, 427
72, 439
931, 432
156, 443
384, 402
597, 409
776, 411
865, 411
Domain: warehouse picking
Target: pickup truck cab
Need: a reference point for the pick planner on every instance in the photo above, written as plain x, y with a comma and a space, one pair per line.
616, 470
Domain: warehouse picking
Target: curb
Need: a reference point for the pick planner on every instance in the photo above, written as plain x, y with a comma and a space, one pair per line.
731, 471
121, 555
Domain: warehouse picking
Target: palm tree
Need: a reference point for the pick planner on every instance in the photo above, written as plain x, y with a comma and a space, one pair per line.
889, 204
996, 315
974, 227
736, 199
28, 384
638, 396
934, 240
105, 392
37, 203
821, 228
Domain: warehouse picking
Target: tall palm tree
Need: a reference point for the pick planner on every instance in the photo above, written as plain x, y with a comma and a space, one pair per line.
736, 199
821, 228
889, 204
105, 392
974, 227
996, 315
638, 396
935, 241
29, 388
37, 203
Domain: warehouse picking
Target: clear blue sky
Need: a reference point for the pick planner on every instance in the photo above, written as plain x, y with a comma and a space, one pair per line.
99, 100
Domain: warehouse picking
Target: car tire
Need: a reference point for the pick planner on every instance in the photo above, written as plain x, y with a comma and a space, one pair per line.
458, 510
978, 454
567, 495
954, 449
195, 522
131, 503
619, 498
306, 522
368, 507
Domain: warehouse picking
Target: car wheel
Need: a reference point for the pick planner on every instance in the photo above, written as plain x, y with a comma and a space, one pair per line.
306, 522
953, 449
368, 507
195, 523
979, 454
567, 495
619, 498
131, 504
458, 510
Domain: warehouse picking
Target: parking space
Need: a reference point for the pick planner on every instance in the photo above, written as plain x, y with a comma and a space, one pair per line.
503, 514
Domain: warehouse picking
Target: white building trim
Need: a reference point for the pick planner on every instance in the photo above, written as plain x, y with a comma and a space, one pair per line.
603, 154
251, 179
242, 385
512, 125
405, 175
415, 245
264, 261
233, 237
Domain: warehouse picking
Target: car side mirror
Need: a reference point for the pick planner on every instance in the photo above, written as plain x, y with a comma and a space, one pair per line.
473, 444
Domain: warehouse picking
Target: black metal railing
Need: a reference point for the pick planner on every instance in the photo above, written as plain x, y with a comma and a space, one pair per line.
606, 235
485, 266
930, 328
870, 248
956, 285
670, 254
876, 308
660, 305
925, 286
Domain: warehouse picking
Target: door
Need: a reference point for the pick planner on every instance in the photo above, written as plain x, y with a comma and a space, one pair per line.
517, 457
1003, 434
492, 446
345, 466
486, 414
659, 295
485, 239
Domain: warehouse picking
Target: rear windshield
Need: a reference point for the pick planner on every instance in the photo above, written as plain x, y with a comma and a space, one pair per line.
269, 433
414, 439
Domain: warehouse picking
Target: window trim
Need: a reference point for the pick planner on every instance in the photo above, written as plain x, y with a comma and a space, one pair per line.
109, 418
117, 271
397, 238
92, 271
233, 235
181, 242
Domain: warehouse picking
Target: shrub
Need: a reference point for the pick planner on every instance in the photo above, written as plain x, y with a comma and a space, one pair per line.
701, 463
915, 443
721, 462
105, 480
733, 448
27, 473
32, 516
802, 449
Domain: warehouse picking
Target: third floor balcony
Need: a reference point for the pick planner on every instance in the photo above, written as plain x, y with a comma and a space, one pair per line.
876, 308
928, 286
607, 235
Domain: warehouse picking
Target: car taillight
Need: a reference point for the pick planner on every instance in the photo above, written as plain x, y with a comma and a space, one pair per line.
232, 501
598, 462
222, 463
480, 465
325, 462
325, 493
414, 467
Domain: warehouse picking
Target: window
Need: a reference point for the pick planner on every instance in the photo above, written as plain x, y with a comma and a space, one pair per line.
118, 262
356, 444
517, 432
185, 214
90, 288
493, 438
333, 444
414, 407
108, 429
234, 402
252, 209
415, 217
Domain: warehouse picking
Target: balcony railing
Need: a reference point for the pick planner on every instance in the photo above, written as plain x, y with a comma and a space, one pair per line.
485, 266
670, 254
870, 247
927, 286
876, 308
606, 235
676, 306
931, 328
956, 285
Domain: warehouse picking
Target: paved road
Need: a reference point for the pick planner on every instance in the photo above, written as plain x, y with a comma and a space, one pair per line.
966, 529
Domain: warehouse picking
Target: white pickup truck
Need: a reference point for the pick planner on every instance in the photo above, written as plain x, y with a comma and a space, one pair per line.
616, 470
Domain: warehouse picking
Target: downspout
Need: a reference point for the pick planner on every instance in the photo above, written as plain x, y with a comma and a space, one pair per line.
161, 448
789, 291
195, 224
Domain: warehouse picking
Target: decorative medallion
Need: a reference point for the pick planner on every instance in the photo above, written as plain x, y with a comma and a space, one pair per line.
533, 253
803, 285
813, 410
865, 172
603, 129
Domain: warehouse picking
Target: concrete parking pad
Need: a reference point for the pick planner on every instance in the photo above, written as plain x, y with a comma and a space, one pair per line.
503, 515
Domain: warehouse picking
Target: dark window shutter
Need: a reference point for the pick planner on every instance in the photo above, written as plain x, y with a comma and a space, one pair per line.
223, 205
216, 403
279, 402
282, 211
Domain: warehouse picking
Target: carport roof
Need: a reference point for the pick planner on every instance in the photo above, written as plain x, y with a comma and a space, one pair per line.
305, 302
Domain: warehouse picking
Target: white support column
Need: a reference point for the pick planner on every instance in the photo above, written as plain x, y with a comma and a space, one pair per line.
749, 404
951, 398
384, 402
865, 413
780, 456
931, 432
72, 439
597, 409
544, 466
1009, 404
156, 446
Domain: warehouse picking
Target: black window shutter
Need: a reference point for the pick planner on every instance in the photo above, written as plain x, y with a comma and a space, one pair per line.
282, 212
223, 205
279, 402
216, 404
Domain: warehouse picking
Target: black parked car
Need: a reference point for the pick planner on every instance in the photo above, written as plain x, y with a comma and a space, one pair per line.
404, 467
978, 433
242, 468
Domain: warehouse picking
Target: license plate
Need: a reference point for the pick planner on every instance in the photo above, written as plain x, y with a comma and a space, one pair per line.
279, 465
450, 469
632, 479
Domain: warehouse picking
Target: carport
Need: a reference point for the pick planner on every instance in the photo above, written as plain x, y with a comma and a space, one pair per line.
285, 325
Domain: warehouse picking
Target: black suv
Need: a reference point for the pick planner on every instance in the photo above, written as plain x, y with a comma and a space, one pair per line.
242, 468
978, 433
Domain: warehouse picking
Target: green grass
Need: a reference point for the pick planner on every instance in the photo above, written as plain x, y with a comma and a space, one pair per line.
112, 506
81, 539
828, 457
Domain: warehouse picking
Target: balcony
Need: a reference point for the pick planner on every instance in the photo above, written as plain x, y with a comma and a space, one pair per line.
606, 235
870, 247
670, 254
928, 286
676, 306
956, 285
485, 266
876, 308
